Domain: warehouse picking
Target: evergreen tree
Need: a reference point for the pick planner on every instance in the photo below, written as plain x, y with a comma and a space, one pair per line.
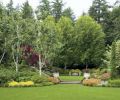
43, 10
10, 7
99, 11
68, 13
27, 11
57, 8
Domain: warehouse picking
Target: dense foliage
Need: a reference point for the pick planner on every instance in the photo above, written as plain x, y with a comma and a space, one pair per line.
52, 37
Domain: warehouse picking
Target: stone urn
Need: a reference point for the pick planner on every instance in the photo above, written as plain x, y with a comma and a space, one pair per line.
86, 75
56, 74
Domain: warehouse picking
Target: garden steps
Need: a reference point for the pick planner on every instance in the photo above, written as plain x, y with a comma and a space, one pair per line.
70, 82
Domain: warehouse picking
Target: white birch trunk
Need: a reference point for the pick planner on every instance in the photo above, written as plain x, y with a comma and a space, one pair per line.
3, 52
40, 66
15, 60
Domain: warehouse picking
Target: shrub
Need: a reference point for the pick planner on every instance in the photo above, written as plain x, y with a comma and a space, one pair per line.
54, 80
105, 76
26, 73
24, 78
75, 71
91, 82
6, 75
15, 84
39, 79
64, 72
115, 82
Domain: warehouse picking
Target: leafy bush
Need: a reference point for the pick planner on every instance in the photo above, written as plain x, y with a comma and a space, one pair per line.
64, 72
115, 83
39, 79
7, 75
91, 82
23, 78
105, 76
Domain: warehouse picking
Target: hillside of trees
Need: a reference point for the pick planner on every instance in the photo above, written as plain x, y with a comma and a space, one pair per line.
52, 36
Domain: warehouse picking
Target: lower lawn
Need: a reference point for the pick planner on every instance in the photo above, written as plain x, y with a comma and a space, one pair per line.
60, 92
71, 78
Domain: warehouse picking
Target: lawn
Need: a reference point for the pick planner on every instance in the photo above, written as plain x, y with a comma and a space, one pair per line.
71, 78
60, 92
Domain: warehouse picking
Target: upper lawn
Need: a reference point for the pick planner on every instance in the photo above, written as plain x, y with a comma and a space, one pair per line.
71, 78
60, 92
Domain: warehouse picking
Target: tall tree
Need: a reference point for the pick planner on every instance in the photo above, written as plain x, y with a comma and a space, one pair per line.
46, 41
89, 41
66, 30
57, 8
68, 13
10, 7
115, 17
27, 11
100, 12
43, 10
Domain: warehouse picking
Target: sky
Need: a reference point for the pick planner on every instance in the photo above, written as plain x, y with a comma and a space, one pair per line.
78, 6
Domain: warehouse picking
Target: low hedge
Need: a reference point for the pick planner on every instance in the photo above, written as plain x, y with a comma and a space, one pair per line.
114, 83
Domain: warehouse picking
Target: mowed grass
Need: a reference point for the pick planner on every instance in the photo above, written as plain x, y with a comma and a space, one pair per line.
60, 92
71, 78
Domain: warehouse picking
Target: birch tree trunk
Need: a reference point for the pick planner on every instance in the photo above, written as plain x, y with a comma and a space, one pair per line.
40, 66
3, 52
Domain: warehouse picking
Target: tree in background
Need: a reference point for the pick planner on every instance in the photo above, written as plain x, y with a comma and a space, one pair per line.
57, 8
68, 13
27, 11
115, 17
89, 41
99, 11
43, 10
10, 7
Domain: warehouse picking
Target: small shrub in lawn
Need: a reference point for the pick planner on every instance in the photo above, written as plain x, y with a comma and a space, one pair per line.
114, 83
91, 82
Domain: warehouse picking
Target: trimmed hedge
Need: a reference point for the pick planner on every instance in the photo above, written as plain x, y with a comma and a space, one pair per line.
114, 83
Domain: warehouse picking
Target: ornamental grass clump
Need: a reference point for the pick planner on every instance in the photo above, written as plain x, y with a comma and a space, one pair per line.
91, 82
